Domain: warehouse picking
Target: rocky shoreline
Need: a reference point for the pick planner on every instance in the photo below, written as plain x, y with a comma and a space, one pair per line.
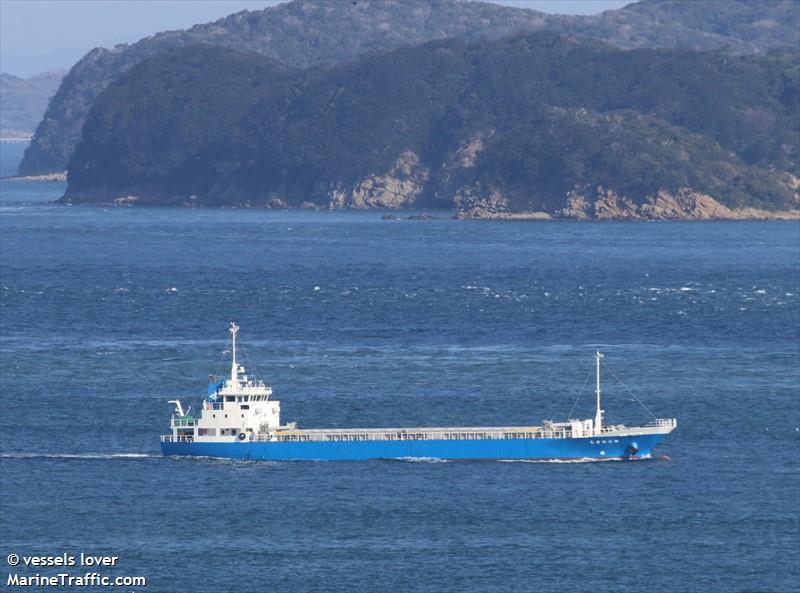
662, 208
748, 214
61, 176
406, 187
686, 204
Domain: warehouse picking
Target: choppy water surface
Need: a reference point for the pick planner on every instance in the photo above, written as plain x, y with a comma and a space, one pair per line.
355, 321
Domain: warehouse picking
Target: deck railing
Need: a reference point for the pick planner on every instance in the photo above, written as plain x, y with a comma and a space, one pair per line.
181, 438
416, 435
183, 422
663, 423
451, 434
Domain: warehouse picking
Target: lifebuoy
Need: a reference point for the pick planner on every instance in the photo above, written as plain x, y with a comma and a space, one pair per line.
242, 436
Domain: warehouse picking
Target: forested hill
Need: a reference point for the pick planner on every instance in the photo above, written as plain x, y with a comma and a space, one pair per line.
304, 33
24, 101
535, 123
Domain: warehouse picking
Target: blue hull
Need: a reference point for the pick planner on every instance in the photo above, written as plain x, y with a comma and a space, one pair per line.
619, 447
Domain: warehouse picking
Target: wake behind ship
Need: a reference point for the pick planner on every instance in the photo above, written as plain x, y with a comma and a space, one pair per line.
240, 420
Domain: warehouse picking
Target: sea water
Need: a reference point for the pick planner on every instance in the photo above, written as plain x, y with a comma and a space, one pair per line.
355, 321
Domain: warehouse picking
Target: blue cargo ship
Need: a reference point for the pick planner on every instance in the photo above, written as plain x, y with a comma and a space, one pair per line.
240, 420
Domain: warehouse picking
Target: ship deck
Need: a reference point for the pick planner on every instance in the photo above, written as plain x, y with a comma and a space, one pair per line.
466, 433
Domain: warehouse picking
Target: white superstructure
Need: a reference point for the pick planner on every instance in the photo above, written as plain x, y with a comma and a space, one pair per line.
237, 408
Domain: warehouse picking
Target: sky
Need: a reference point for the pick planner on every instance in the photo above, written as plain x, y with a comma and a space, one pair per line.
45, 35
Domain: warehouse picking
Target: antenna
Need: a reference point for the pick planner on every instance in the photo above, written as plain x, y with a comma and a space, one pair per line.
598, 416
234, 329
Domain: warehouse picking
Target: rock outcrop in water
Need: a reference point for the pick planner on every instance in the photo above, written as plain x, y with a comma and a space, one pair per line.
307, 33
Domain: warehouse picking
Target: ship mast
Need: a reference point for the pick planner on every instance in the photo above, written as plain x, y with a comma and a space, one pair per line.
598, 416
234, 368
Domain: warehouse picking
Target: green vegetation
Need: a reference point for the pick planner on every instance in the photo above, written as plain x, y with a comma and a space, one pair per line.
306, 33
208, 126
